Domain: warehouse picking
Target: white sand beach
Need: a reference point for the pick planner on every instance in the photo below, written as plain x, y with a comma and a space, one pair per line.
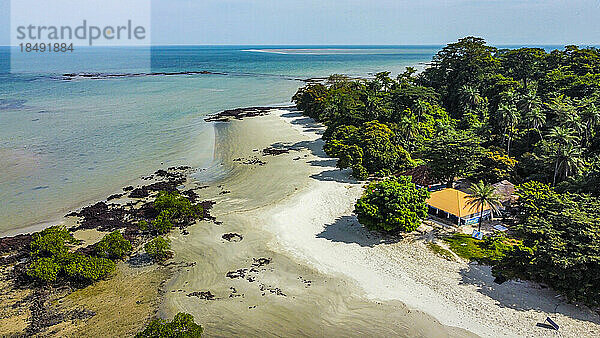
337, 279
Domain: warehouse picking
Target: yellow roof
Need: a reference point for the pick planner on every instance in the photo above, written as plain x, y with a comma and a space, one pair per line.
454, 202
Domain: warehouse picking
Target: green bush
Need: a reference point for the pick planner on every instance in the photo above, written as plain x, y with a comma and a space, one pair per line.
51, 242
172, 208
392, 205
44, 269
113, 246
176, 205
159, 248
143, 225
182, 326
86, 268
162, 223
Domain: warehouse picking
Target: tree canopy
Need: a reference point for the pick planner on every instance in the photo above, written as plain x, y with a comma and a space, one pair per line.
561, 242
528, 115
392, 205
182, 326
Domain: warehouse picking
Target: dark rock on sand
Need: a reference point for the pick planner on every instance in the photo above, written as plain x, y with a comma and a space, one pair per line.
240, 273
206, 295
275, 151
241, 113
258, 262
232, 237
114, 197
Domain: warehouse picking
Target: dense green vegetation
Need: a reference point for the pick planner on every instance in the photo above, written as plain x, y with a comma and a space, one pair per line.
486, 114
520, 114
85, 268
392, 205
113, 246
51, 259
366, 149
159, 249
176, 205
173, 208
51, 242
182, 326
561, 242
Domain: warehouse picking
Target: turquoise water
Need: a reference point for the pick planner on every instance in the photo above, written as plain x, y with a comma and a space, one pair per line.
65, 143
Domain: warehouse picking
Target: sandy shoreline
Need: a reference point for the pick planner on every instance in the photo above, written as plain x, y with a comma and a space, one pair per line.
287, 296
305, 267
297, 210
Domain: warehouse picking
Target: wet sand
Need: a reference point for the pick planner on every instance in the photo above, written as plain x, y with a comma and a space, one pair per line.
289, 296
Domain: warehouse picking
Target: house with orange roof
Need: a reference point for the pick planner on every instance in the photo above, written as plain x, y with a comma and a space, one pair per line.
453, 205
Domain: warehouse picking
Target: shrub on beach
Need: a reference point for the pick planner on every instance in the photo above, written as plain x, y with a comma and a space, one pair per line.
176, 205
51, 242
113, 246
183, 325
392, 205
75, 266
86, 268
162, 223
159, 249
44, 269
52, 258
172, 208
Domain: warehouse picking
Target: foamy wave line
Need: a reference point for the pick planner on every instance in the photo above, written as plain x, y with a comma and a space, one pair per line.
264, 51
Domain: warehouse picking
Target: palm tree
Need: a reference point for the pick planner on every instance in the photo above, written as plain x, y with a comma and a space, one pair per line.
536, 119
471, 96
374, 105
510, 117
419, 108
573, 121
568, 162
409, 128
529, 102
562, 107
591, 119
482, 195
563, 136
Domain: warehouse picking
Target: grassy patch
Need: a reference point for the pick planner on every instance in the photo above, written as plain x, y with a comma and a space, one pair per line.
440, 251
488, 251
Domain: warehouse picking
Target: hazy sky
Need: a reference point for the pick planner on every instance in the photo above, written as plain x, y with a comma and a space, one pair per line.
393, 22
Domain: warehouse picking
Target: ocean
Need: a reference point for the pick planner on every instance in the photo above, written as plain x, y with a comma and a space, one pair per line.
68, 142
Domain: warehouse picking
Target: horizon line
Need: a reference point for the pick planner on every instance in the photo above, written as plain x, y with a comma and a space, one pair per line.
338, 45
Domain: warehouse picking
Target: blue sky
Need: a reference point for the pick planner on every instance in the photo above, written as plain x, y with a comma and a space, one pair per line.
394, 22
